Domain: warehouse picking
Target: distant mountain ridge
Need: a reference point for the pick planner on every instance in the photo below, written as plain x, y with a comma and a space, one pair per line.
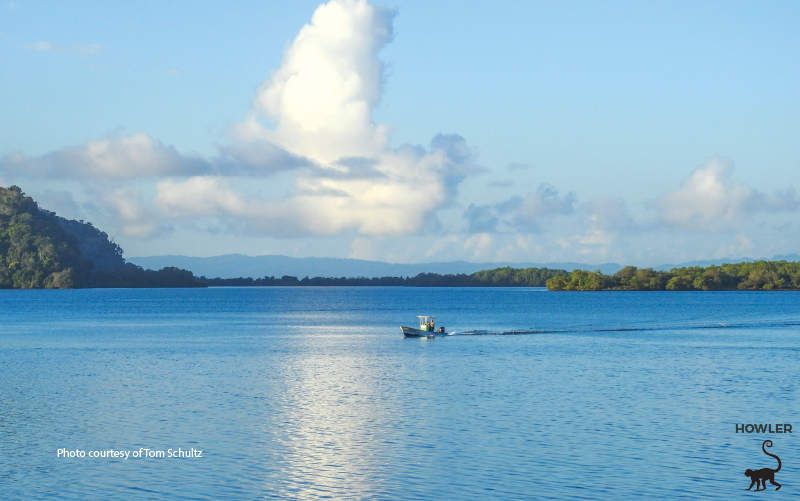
238, 265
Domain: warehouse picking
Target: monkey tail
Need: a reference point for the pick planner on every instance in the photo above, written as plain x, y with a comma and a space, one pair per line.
768, 443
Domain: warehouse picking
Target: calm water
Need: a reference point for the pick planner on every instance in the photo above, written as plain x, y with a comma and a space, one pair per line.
303, 393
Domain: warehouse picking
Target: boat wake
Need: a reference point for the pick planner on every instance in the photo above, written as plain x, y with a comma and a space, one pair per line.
737, 325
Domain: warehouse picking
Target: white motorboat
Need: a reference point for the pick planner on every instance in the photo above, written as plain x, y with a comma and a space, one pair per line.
427, 328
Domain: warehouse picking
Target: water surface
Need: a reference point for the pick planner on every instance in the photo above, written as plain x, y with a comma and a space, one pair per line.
308, 393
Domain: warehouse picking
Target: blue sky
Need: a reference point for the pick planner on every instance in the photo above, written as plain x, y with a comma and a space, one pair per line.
636, 132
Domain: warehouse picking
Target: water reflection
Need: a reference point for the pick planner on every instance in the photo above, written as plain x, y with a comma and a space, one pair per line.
332, 432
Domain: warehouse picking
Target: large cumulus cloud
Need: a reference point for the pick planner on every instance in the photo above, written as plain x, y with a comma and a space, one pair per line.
322, 96
321, 167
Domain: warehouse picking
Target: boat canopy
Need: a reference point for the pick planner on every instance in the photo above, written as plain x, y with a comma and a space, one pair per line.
425, 321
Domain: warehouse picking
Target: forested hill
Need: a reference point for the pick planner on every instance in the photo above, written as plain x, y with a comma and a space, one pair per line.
39, 249
35, 251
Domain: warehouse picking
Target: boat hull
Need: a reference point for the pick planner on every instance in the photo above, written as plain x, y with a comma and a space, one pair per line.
414, 332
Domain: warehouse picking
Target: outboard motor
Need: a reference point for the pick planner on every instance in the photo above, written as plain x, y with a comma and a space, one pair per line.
441, 330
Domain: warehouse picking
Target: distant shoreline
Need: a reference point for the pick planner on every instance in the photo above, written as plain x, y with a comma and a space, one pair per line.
757, 275
498, 277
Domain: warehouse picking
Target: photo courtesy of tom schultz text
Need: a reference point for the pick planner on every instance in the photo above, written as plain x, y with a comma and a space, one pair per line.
125, 454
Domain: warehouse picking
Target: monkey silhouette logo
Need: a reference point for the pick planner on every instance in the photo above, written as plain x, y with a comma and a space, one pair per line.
759, 477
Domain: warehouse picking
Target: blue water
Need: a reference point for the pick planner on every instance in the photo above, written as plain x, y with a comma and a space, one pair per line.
309, 393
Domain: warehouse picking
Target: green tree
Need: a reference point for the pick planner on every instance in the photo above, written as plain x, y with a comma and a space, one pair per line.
34, 251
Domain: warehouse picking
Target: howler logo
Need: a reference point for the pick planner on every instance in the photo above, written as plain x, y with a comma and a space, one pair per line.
759, 477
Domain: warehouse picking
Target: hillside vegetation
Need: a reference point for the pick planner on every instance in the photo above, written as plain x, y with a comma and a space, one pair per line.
39, 249
35, 252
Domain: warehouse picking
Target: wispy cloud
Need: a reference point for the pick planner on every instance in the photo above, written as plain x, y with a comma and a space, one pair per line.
137, 155
609, 217
531, 211
481, 219
519, 166
710, 200
43, 47
86, 49
140, 156
528, 214
75, 48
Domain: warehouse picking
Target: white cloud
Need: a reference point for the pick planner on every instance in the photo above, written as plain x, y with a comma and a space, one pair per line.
362, 248
609, 217
480, 246
255, 158
199, 196
395, 199
43, 47
610, 214
542, 203
710, 200
741, 246
321, 98
75, 48
345, 176
136, 218
86, 49
137, 155
528, 214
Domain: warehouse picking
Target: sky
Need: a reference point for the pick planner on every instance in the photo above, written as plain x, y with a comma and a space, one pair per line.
633, 132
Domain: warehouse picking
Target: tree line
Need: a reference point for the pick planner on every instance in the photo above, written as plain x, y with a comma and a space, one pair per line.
757, 275
499, 277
